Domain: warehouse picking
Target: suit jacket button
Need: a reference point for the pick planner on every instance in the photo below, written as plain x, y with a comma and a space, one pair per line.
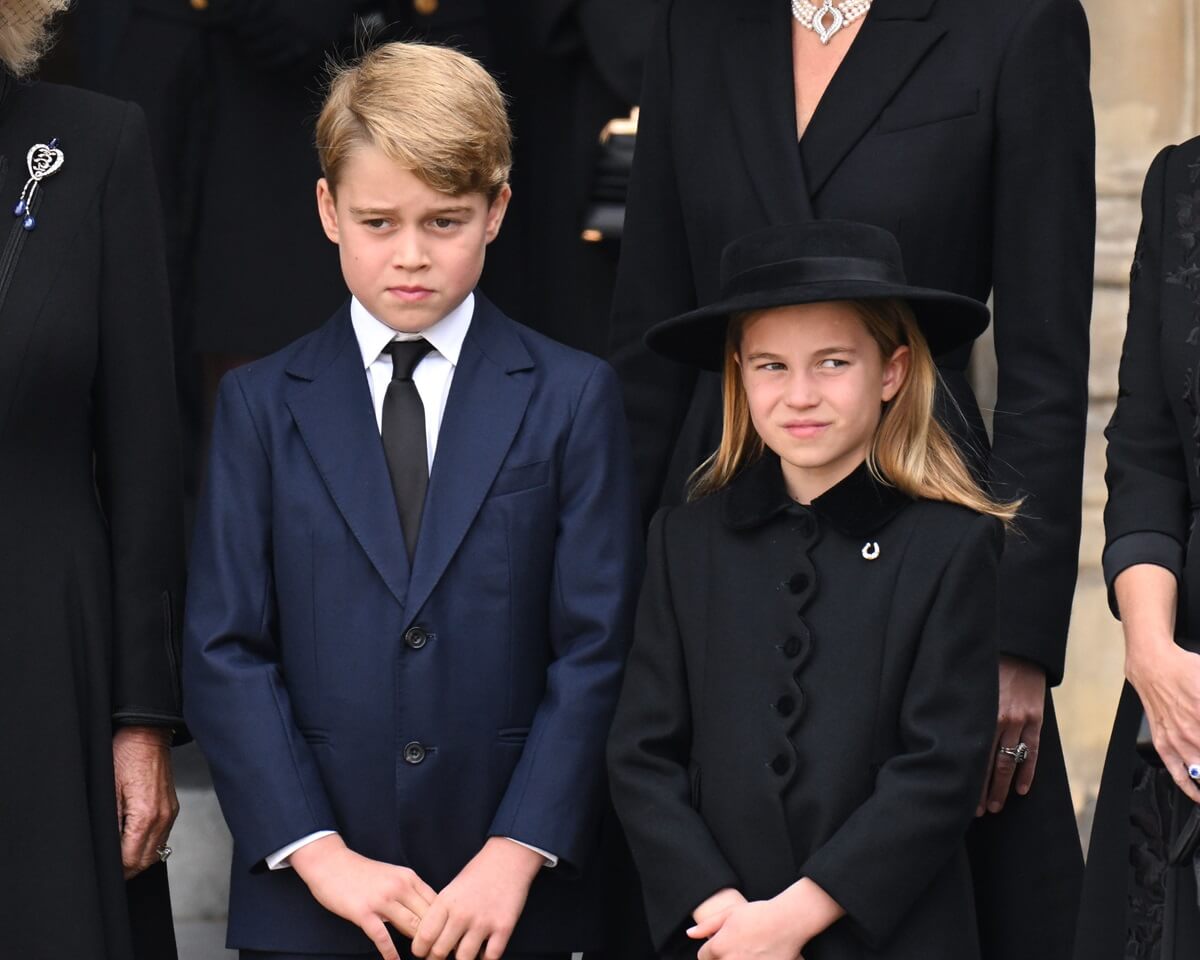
785, 706
415, 637
780, 765
414, 753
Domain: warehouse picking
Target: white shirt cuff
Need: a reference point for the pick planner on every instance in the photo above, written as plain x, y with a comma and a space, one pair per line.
551, 859
281, 859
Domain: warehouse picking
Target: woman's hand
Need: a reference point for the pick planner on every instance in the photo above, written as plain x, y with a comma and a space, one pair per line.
1165, 676
146, 802
1019, 720
1167, 680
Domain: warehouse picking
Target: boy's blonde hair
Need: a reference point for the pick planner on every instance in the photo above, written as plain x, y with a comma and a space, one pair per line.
25, 33
430, 109
910, 451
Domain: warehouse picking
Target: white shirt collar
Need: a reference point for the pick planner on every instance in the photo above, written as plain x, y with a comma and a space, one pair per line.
447, 335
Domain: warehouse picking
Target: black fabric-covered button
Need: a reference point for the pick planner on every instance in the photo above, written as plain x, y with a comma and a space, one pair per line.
414, 753
415, 637
785, 706
792, 647
780, 765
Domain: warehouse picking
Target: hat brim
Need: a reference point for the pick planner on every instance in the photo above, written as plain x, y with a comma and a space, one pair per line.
947, 320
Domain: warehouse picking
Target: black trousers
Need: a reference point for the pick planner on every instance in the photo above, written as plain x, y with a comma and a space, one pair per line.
1027, 864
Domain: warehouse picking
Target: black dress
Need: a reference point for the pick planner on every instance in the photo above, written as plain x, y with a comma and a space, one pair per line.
966, 130
1135, 905
786, 711
90, 544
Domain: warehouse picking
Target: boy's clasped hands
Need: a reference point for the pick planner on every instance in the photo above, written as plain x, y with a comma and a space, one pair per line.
777, 929
473, 917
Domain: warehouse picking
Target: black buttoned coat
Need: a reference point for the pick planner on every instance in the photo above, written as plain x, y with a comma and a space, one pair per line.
793, 708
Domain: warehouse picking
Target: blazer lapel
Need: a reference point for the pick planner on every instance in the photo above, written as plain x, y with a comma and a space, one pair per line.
757, 63
483, 413
893, 40
336, 420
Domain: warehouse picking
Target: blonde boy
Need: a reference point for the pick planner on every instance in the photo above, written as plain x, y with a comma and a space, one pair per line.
413, 570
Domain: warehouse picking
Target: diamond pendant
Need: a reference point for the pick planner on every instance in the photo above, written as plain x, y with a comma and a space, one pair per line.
818, 21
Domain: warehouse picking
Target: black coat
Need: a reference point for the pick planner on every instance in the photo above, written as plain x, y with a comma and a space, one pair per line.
791, 708
90, 517
1153, 481
964, 129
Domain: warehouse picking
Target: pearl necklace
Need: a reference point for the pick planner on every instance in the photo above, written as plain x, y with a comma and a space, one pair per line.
813, 18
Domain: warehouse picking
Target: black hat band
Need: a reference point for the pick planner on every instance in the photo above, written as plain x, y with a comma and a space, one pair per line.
790, 273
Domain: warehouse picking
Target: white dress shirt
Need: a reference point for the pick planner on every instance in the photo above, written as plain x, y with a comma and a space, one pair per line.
432, 378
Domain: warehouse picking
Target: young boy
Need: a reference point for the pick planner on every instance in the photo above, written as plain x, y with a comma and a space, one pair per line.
413, 570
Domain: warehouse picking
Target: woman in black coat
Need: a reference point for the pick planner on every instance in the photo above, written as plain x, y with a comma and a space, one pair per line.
90, 527
965, 130
1137, 903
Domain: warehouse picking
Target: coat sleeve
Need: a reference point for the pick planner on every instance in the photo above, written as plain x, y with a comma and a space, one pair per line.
1043, 257
649, 750
1146, 517
137, 458
555, 798
882, 859
654, 281
236, 702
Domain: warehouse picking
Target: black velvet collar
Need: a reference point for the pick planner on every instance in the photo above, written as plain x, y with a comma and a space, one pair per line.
857, 506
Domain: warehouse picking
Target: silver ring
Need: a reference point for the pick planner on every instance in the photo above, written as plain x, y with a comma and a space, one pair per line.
163, 852
1019, 753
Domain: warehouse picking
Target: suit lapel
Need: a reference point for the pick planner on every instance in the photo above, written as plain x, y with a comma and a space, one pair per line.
483, 413
893, 40
757, 64
336, 420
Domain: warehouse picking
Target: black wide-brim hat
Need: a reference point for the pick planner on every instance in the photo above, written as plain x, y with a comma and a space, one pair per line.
813, 262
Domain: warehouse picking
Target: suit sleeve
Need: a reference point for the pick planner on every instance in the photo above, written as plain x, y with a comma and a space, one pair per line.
137, 459
1146, 517
654, 281
555, 797
648, 759
236, 701
882, 859
1043, 256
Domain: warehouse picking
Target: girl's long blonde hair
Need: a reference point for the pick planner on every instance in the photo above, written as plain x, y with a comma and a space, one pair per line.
910, 451
25, 32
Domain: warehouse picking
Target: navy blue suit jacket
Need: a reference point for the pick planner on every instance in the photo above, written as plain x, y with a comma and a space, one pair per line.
298, 680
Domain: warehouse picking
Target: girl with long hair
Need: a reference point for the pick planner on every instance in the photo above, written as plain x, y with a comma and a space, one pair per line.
808, 710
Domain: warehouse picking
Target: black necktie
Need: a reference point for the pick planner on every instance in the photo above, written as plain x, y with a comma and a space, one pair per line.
404, 436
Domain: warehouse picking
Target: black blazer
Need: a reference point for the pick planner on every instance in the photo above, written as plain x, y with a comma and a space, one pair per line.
967, 131
791, 708
1153, 471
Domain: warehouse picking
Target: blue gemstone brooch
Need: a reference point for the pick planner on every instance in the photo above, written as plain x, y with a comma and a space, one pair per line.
43, 160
